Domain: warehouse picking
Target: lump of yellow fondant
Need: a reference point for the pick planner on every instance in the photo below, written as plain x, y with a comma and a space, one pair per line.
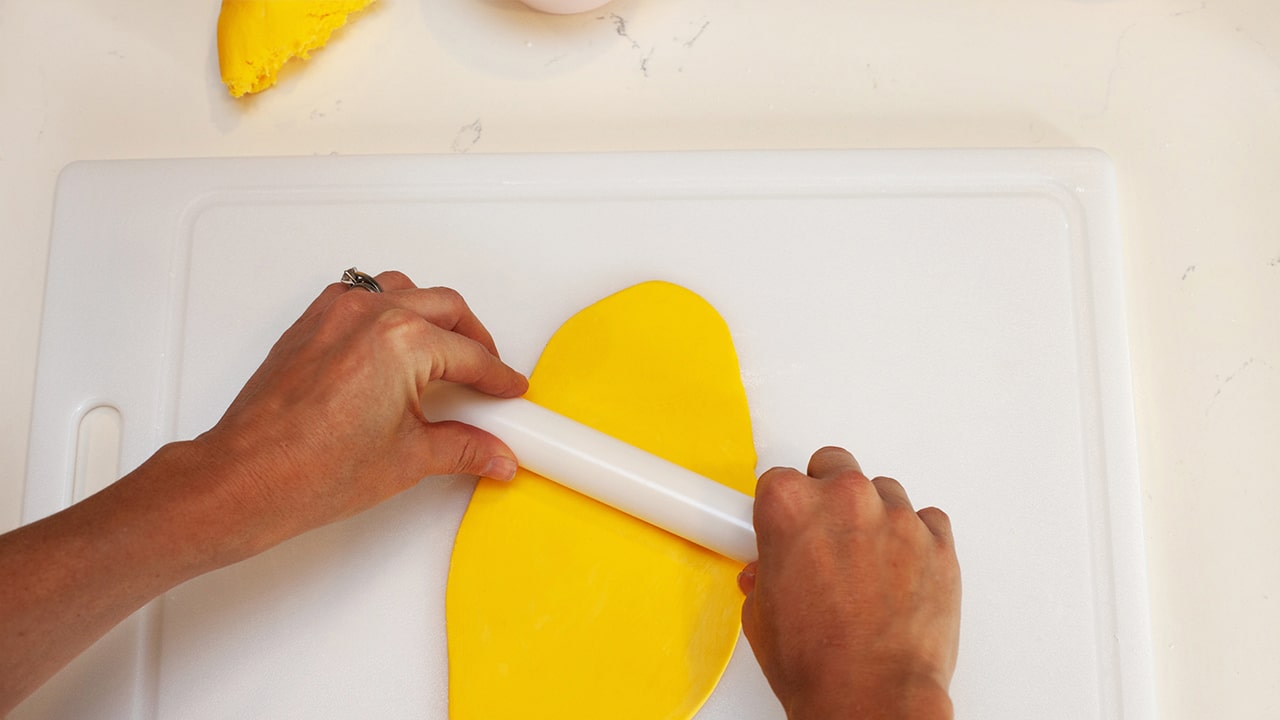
560, 607
257, 37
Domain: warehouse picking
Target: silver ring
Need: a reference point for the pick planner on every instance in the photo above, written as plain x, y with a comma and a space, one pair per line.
352, 277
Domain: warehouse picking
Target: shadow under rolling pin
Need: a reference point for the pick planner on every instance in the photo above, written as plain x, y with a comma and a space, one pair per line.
606, 469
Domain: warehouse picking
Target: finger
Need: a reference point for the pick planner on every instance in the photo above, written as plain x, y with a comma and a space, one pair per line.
938, 522
440, 306
456, 448
324, 299
445, 308
768, 477
830, 461
747, 578
892, 492
454, 358
772, 483
393, 280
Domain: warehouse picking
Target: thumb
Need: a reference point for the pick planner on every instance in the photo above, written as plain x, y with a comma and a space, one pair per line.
458, 448
750, 619
747, 578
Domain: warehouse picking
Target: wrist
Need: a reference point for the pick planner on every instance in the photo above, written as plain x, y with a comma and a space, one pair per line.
914, 698
183, 495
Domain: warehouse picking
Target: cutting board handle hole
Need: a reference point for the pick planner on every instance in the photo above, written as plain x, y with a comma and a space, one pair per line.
97, 451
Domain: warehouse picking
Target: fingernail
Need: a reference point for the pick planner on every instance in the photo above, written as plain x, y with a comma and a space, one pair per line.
500, 468
747, 579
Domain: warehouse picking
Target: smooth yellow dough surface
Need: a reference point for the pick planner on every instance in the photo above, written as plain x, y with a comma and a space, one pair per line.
257, 37
560, 607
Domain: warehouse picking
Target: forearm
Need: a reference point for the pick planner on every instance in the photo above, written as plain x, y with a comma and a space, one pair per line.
71, 577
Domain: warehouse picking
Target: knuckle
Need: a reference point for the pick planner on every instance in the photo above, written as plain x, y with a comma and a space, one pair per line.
887, 484
843, 456
344, 313
399, 330
396, 323
780, 496
902, 517
449, 296
395, 277
936, 515
853, 490
851, 480
350, 302
468, 458
938, 522
779, 484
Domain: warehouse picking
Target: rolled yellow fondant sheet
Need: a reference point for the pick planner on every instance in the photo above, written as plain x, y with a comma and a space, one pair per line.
560, 607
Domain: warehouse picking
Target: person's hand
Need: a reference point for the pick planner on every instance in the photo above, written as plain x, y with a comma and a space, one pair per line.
853, 609
331, 423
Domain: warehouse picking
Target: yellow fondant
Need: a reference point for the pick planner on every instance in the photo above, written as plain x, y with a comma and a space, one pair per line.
560, 607
257, 37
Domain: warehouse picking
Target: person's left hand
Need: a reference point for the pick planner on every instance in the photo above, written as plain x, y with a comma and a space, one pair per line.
331, 423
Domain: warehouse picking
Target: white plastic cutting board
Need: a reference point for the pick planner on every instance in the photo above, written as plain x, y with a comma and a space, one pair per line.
954, 317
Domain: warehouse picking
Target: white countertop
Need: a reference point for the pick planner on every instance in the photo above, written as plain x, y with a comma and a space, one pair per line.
1183, 94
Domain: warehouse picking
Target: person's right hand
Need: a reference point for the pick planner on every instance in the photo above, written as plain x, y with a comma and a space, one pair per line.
853, 609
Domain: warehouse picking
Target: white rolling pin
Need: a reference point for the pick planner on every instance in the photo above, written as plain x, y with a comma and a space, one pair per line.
602, 467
